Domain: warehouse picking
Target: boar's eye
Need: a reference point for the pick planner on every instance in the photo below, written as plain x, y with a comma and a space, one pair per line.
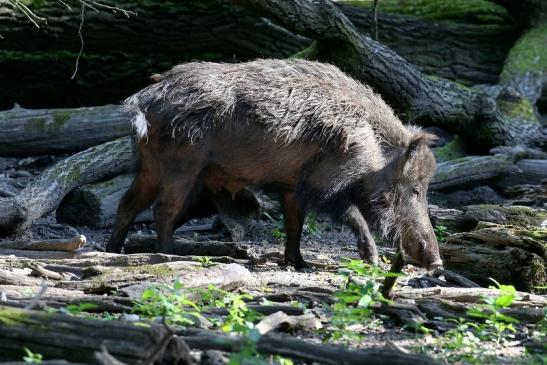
416, 191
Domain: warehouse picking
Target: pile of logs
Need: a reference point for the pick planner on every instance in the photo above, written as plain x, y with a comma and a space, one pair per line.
98, 282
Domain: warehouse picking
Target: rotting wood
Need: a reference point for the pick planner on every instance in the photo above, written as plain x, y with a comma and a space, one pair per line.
45, 193
57, 335
70, 244
28, 132
184, 247
303, 350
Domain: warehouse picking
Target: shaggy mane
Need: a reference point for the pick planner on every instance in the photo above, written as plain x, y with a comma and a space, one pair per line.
296, 100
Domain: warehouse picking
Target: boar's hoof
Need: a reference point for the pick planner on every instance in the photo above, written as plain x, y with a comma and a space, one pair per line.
296, 261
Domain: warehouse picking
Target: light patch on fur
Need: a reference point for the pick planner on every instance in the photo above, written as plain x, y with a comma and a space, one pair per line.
140, 124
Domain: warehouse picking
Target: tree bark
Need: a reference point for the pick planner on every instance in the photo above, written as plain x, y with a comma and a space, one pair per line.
121, 53
471, 171
72, 338
460, 50
472, 114
45, 193
53, 131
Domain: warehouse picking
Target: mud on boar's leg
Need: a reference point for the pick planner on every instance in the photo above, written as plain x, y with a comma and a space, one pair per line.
138, 197
294, 221
396, 267
365, 243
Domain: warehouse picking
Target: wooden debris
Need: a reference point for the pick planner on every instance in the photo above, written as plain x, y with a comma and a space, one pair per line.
45, 193
507, 254
184, 247
56, 335
303, 350
70, 244
281, 319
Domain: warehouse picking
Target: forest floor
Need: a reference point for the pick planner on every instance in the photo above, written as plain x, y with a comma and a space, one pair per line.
429, 316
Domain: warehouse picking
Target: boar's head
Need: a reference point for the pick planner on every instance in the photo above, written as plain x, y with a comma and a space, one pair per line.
403, 202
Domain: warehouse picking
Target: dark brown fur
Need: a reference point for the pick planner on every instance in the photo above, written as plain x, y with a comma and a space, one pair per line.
325, 140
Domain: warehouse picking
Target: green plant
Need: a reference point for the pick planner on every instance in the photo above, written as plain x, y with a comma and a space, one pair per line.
75, 309
441, 232
31, 357
354, 302
205, 261
312, 227
495, 324
277, 231
170, 302
464, 342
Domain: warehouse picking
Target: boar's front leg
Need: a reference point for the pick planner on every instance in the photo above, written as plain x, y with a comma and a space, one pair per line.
294, 221
365, 242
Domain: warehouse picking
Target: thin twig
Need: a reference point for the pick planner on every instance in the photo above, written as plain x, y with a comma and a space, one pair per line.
164, 341
37, 297
82, 19
375, 18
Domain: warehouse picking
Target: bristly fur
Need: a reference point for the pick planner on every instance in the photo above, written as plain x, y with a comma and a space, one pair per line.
284, 95
296, 101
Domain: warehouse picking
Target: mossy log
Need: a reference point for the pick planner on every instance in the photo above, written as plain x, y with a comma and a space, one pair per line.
116, 64
54, 131
471, 171
45, 193
122, 52
509, 255
446, 40
75, 339
473, 114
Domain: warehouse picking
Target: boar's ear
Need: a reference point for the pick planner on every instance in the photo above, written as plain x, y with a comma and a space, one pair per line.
418, 139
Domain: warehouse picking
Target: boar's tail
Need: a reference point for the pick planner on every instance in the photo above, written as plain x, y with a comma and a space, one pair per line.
138, 118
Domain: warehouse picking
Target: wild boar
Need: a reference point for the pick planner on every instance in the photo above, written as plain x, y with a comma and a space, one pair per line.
326, 141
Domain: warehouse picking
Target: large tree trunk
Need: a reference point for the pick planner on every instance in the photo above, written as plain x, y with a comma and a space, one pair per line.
116, 64
49, 131
121, 53
473, 114
459, 49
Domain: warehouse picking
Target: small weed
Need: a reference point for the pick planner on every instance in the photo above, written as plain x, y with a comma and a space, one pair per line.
465, 342
205, 261
277, 231
353, 307
31, 357
170, 302
441, 232
76, 309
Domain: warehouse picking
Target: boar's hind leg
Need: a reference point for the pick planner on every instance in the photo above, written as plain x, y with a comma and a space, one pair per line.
138, 197
170, 204
294, 220
365, 242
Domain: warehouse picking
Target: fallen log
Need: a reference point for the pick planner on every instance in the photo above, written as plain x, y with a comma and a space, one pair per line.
468, 295
532, 171
45, 193
302, 350
70, 244
508, 255
185, 247
96, 204
54, 131
470, 171
132, 281
57, 335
